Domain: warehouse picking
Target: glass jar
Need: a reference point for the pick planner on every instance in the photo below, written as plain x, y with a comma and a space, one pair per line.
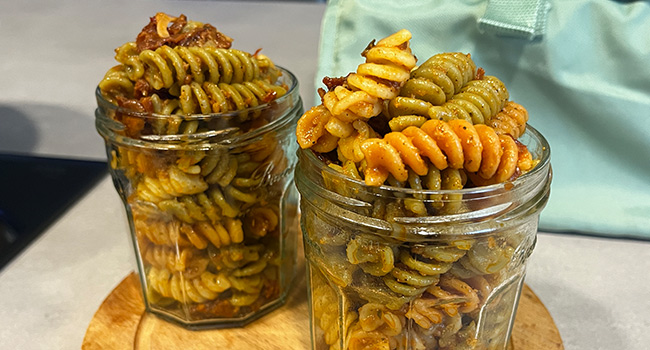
381, 277
211, 205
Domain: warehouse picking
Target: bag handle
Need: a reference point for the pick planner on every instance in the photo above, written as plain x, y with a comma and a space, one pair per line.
525, 19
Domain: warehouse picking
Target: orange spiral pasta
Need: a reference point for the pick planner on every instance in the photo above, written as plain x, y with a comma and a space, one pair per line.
456, 144
387, 66
349, 148
511, 120
361, 95
479, 100
311, 132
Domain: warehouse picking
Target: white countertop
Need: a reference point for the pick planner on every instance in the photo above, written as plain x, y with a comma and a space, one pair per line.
52, 55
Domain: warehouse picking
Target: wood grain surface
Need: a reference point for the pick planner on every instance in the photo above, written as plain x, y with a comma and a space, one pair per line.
122, 323
534, 328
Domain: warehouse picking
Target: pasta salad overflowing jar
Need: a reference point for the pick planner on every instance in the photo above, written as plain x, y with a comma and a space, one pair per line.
421, 189
201, 145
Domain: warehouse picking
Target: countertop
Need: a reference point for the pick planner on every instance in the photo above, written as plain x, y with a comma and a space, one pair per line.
52, 55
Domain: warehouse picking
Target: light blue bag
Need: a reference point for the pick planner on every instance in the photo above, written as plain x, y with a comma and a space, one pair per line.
581, 68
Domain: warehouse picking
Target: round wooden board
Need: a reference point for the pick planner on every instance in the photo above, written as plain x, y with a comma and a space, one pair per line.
122, 323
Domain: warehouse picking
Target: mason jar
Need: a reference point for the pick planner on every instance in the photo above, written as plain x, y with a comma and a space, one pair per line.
382, 277
211, 206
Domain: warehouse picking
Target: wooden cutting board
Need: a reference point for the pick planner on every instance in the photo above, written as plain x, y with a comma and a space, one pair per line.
122, 323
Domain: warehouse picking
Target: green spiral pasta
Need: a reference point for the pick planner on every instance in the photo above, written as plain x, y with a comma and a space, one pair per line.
373, 258
488, 256
128, 55
488, 94
165, 66
478, 101
235, 256
210, 97
116, 82
416, 272
244, 170
374, 290
216, 166
440, 77
435, 179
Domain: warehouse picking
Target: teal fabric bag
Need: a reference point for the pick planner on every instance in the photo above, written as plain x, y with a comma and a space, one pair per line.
581, 68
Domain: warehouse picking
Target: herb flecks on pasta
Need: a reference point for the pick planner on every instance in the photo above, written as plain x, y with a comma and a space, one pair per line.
181, 67
456, 144
444, 113
208, 220
360, 95
441, 126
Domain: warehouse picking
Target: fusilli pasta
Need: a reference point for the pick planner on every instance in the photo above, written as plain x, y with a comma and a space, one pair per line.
446, 127
209, 97
203, 162
456, 144
166, 66
387, 67
440, 77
